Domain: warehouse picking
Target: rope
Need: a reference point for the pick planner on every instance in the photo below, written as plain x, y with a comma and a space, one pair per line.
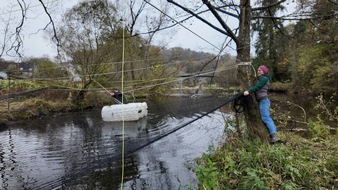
168, 81
122, 90
240, 103
101, 86
115, 100
22, 94
176, 80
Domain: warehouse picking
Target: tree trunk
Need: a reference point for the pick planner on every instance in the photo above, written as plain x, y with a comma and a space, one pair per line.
243, 46
246, 75
78, 100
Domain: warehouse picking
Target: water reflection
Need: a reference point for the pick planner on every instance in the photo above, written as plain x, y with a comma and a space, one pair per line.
80, 151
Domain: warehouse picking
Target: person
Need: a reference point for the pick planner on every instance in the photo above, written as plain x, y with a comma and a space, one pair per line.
118, 96
261, 91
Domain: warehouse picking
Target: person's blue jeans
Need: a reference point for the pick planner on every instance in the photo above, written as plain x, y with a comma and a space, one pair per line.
264, 108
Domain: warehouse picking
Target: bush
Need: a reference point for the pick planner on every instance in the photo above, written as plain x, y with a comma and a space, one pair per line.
19, 85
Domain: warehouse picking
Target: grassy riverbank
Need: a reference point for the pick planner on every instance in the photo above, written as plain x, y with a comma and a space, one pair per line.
248, 164
49, 101
304, 162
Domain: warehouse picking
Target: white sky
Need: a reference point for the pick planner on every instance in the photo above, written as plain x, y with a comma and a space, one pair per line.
37, 44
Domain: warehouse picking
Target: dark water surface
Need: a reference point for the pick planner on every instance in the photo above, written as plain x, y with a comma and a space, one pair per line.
80, 151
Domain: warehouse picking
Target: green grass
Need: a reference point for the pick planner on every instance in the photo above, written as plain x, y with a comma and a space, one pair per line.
245, 164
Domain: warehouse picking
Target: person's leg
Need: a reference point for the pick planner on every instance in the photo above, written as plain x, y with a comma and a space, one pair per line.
264, 108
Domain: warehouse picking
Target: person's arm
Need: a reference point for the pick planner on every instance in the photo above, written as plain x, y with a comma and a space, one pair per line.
260, 83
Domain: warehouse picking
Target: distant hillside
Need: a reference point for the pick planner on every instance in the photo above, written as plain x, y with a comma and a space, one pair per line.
180, 54
189, 61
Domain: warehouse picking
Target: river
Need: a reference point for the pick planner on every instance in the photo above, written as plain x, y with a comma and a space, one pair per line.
80, 151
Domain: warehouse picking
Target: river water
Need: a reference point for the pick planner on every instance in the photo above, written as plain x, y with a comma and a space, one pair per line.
80, 151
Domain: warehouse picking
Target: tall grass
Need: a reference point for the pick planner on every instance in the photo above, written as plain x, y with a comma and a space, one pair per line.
245, 164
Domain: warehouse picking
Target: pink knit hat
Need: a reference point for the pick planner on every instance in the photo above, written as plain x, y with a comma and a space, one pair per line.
264, 69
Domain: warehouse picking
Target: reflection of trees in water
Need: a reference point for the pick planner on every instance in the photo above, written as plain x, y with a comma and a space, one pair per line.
78, 147
12, 174
101, 154
87, 147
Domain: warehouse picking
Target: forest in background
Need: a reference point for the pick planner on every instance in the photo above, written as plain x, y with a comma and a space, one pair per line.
304, 52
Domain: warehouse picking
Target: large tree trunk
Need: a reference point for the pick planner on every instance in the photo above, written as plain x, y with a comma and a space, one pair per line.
246, 74
255, 126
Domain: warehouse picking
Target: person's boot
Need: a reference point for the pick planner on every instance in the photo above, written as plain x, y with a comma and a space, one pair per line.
274, 138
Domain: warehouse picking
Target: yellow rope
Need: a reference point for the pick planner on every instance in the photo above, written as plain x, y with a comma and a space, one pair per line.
122, 90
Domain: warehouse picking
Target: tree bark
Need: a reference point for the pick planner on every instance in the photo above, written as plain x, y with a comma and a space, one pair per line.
246, 75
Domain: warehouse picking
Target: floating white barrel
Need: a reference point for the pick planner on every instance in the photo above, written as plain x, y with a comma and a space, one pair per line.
126, 112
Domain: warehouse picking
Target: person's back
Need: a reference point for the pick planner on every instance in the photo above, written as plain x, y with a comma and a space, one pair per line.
117, 95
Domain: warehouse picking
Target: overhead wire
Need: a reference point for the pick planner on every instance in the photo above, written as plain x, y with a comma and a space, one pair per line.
102, 74
171, 61
109, 63
106, 73
193, 75
176, 80
109, 73
144, 87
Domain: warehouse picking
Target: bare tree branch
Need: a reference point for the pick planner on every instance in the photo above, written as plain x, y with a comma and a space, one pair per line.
53, 26
198, 17
18, 39
228, 5
221, 21
183, 25
134, 16
275, 24
336, 3
226, 12
268, 6
5, 38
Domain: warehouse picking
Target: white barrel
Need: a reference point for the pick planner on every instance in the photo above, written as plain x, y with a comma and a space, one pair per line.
126, 112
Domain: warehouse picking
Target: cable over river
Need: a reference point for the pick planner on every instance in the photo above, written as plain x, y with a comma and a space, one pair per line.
80, 151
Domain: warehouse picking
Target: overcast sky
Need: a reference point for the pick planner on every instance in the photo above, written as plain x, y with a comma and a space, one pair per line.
37, 44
